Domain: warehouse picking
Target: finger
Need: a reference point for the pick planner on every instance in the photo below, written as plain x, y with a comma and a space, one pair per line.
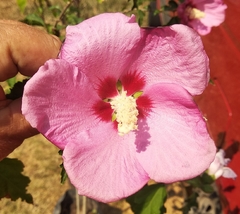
14, 128
24, 48
3, 101
2, 94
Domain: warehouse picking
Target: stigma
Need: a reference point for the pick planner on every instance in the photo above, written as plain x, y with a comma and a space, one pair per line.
194, 13
125, 112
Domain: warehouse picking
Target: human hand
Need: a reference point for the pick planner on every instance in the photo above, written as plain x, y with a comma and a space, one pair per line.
22, 49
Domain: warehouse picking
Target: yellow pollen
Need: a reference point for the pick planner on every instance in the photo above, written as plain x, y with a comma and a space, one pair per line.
125, 110
194, 13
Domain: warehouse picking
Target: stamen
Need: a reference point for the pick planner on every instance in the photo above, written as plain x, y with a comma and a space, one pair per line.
137, 94
194, 13
119, 86
125, 112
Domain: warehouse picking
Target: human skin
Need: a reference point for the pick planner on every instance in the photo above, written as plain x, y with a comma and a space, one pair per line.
22, 49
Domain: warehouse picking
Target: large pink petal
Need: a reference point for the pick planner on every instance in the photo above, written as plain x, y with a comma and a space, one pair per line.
174, 54
178, 146
104, 45
58, 101
103, 165
108, 44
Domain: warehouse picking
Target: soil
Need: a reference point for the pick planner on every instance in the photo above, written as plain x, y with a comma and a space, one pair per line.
9, 10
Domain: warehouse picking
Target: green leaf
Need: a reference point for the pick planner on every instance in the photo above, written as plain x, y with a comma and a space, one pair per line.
72, 19
211, 81
140, 15
156, 12
17, 90
173, 5
11, 81
12, 182
207, 188
33, 19
165, 8
135, 4
195, 182
207, 179
64, 175
56, 11
202, 182
22, 5
149, 200
191, 201
173, 20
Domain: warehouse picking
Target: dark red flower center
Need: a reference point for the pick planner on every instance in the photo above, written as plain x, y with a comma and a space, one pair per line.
122, 101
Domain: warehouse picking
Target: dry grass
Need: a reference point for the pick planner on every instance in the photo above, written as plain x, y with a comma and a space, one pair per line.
41, 160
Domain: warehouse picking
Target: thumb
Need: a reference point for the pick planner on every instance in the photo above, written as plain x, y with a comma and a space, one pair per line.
3, 101
24, 48
2, 94
14, 128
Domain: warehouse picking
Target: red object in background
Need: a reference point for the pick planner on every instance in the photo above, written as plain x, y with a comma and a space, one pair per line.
223, 48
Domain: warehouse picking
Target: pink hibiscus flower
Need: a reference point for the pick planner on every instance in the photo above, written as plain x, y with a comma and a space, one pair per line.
202, 15
118, 102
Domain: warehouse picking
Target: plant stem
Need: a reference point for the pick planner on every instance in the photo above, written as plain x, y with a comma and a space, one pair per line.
62, 14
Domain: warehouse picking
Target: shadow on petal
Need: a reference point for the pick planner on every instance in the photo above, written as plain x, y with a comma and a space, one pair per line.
142, 136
